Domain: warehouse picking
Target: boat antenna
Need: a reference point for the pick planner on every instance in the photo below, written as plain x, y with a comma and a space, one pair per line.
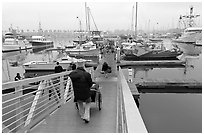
190, 17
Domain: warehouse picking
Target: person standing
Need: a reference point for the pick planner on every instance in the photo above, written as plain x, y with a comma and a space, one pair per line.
58, 68
82, 83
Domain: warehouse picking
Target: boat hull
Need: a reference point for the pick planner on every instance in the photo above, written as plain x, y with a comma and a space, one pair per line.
189, 49
50, 67
12, 48
83, 53
162, 55
41, 48
183, 42
45, 43
156, 40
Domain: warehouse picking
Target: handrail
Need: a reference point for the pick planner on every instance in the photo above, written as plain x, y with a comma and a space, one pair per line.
129, 118
21, 111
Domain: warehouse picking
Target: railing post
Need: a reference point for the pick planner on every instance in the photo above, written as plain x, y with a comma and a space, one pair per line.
19, 110
61, 86
56, 94
67, 90
34, 103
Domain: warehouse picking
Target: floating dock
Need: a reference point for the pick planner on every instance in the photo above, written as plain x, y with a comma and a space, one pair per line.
151, 63
169, 86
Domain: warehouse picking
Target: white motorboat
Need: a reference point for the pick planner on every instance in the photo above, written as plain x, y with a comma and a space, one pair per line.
191, 35
12, 43
87, 49
40, 41
50, 66
148, 52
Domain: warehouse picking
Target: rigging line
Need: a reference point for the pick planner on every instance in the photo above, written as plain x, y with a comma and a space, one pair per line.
93, 19
86, 17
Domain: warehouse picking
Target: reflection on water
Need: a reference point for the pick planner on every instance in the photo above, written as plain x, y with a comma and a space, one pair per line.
172, 113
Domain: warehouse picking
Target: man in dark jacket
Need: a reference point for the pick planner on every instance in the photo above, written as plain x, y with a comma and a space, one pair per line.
58, 68
82, 83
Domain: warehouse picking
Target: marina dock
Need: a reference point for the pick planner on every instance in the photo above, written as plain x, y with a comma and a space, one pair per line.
119, 113
151, 63
169, 86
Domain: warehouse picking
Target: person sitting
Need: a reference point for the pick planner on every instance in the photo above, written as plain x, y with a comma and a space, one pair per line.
17, 77
105, 69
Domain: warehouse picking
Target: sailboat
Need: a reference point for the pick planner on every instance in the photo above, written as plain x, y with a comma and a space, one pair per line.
142, 51
83, 48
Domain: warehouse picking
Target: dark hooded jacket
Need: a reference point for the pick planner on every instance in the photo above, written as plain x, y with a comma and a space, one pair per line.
82, 83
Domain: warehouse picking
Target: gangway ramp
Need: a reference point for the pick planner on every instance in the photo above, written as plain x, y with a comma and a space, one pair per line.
66, 119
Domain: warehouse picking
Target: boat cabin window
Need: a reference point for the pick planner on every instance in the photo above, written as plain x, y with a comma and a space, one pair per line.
64, 59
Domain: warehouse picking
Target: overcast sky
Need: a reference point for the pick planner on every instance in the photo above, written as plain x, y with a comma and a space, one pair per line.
107, 15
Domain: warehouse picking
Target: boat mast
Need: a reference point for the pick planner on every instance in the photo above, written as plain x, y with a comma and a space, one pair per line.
132, 24
87, 10
87, 23
136, 22
148, 29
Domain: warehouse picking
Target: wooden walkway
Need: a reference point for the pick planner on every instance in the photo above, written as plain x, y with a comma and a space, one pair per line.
66, 119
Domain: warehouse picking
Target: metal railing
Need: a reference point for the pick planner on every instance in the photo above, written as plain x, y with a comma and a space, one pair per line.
129, 119
27, 102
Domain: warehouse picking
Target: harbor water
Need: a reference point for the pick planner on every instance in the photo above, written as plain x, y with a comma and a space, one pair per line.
172, 112
161, 112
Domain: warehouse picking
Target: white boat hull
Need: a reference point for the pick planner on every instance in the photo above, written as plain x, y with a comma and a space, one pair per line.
80, 52
45, 66
16, 47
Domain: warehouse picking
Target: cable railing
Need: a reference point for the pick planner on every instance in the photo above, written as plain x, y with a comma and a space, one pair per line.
129, 119
27, 102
